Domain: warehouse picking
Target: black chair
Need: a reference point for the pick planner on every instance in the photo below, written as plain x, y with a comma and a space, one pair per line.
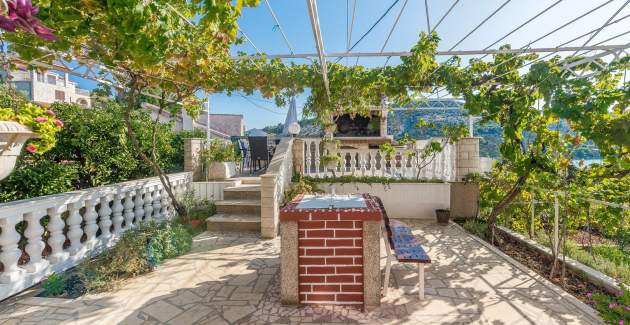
243, 148
259, 151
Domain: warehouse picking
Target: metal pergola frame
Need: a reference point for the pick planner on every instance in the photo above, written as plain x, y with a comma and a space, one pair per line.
92, 69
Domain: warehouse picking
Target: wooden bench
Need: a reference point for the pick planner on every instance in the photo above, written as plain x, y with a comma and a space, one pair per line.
407, 249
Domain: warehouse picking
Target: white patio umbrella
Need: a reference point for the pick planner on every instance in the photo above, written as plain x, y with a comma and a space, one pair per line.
291, 118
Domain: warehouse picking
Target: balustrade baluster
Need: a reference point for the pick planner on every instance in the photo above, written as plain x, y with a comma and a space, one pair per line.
56, 239
307, 157
165, 200
105, 213
363, 163
317, 159
35, 245
148, 204
157, 205
128, 213
74, 227
10, 255
373, 163
90, 217
139, 210
117, 212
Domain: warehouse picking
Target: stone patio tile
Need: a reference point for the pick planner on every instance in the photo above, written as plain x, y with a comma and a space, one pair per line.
162, 311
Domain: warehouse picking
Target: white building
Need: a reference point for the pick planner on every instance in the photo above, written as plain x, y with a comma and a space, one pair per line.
47, 87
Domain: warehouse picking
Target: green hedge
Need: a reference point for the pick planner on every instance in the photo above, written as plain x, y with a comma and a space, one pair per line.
92, 150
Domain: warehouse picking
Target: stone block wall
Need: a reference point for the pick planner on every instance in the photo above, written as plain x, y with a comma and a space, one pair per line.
192, 158
467, 157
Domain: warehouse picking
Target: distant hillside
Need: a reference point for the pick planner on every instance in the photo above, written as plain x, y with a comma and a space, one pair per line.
401, 121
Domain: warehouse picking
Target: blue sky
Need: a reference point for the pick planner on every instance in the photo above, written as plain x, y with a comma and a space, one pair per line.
259, 25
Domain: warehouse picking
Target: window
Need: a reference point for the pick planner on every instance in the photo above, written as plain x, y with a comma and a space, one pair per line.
40, 76
60, 95
52, 79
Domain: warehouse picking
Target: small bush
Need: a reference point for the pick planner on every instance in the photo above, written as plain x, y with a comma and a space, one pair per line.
476, 227
136, 252
54, 285
613, 310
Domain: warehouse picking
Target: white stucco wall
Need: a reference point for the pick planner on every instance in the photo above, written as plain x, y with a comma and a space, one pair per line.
403, 200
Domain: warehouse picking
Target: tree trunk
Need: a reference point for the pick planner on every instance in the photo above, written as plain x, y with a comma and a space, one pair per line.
506, 200
179, 208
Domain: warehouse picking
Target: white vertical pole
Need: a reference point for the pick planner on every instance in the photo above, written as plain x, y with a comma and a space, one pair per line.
470, 126
556, 213
531, 225
421, 281
208, 134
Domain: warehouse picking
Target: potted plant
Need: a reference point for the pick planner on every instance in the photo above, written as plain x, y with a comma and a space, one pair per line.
220, 160
443, 216
331, 161
17, 126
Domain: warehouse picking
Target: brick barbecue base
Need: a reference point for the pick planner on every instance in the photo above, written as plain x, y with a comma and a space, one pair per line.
330, 255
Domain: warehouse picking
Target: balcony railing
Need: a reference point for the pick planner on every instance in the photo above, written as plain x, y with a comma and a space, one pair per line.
372, 162
54, 233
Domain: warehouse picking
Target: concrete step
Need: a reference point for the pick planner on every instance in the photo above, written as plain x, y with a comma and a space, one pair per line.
234, 222
249, 180
242, 192
238, 207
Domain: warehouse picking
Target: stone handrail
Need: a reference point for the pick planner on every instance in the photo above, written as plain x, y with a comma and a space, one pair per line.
274, 183
80, 224
372, 162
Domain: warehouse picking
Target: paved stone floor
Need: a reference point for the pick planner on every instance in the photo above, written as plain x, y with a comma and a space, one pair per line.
233, 279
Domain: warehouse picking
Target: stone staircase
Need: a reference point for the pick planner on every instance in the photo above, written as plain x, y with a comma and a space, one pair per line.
239, 211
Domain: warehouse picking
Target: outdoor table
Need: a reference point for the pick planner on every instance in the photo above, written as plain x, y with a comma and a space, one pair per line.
330, 250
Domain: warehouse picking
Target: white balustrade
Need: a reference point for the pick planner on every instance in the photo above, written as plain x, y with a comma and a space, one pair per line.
371, 162
76, 218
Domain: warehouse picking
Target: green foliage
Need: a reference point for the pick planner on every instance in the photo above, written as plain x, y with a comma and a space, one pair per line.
54, 285
300, 185
128, 258
92, 150
350, 179
614, 310
37, 177
39, 120
219, 151
11, 98
331, 158
476, 227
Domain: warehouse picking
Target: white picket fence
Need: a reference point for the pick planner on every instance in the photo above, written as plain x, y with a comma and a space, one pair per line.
80, 224
372, 162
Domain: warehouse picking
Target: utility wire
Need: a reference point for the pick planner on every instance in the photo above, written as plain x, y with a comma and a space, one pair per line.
373, 25
391, 31
286, 40
481, 24
260, 106
446, 14
426, 11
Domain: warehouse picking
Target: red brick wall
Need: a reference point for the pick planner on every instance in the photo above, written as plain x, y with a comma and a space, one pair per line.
330, 260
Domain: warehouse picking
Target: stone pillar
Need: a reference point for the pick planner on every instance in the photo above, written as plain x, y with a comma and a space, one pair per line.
467, 157
298, 156
289, 292
269, 209
371, 264
192, 159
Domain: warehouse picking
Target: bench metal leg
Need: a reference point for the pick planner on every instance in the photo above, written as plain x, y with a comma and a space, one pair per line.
421, 281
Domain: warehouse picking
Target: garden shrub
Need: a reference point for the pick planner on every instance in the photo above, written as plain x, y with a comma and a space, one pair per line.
92, 150
36, 177
613, 310
54, 285
129, 258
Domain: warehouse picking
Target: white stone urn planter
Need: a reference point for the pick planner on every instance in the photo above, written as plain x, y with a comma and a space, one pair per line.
221, 170
13, 135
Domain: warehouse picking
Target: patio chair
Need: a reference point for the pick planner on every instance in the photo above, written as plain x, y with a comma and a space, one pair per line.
259, 151
402, 244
